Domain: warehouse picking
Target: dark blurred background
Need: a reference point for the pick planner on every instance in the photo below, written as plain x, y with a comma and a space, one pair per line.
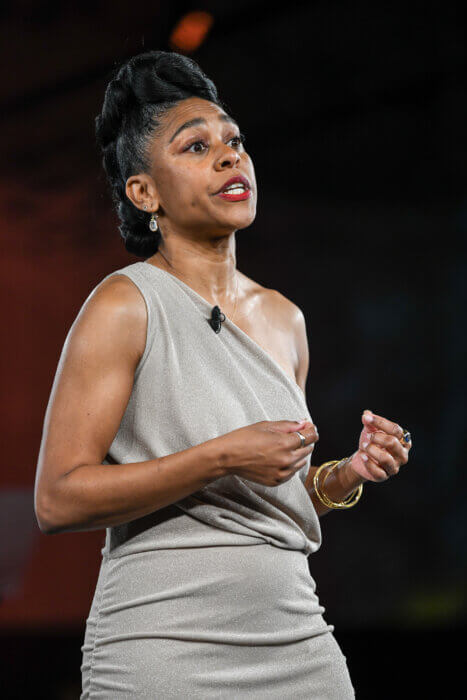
355, 118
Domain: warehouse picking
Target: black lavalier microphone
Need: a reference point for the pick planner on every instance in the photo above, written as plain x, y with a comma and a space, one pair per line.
217, 318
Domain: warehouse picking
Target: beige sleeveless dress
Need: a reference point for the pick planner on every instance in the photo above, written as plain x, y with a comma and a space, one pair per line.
212, 596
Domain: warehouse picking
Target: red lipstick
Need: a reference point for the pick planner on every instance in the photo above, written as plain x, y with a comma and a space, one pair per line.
235, 197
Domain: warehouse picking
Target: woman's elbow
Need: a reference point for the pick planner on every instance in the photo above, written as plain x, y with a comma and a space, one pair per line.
45, 519
47, 513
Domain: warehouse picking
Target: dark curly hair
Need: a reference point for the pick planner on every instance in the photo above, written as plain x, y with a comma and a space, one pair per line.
142, 89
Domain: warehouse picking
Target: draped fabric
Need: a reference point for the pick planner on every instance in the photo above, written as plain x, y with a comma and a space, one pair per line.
210, 597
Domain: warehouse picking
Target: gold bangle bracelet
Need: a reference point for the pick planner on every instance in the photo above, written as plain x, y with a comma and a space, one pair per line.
349, 498
325, 500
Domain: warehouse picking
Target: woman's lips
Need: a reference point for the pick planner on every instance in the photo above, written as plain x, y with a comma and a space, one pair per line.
234, 197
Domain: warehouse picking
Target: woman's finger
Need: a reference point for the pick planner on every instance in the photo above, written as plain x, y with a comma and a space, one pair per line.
389, 443
382, 458
364, 466
374, 422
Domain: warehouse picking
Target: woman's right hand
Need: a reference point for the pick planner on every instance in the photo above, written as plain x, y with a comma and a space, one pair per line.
268, 452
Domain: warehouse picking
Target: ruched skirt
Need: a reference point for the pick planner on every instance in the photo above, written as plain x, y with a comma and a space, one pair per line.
210, 622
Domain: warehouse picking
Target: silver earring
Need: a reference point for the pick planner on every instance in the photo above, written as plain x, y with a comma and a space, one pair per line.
153, 223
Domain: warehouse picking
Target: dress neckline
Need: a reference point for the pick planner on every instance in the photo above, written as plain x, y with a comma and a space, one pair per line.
230, 323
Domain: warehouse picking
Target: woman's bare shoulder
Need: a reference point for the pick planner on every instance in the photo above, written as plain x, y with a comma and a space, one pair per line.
118, 288
119, 295
116, 311
272, 301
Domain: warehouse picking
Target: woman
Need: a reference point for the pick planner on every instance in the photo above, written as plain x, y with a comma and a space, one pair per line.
178, 421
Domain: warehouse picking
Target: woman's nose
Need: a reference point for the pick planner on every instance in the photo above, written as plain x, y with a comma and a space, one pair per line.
229, 157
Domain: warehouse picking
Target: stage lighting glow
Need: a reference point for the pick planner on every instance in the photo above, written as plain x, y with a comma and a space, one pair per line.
191, 31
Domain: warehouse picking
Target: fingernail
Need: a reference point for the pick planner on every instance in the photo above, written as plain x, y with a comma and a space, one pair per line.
364, 457
365, 444
369, 417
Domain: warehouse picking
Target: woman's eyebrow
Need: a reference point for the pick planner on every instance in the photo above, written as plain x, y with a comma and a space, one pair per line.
200, 120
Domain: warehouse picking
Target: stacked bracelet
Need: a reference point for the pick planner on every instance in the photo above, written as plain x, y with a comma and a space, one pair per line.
325, 500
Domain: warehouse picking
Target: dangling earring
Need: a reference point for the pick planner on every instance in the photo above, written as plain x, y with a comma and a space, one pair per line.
153, 223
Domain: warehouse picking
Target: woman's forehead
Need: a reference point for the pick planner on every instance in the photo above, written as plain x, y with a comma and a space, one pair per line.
190, 110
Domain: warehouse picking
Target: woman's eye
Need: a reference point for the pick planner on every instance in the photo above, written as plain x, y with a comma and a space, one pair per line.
195, 143
240, 138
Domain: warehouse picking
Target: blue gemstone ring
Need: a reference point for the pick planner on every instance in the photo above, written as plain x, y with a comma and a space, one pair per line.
405, 439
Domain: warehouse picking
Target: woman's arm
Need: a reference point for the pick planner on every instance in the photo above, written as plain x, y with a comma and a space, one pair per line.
339, 484
74, 491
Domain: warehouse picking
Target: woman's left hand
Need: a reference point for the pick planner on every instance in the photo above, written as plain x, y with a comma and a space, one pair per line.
380, 443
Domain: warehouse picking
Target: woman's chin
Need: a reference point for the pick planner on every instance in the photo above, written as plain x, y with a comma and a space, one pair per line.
241, 223
242, 219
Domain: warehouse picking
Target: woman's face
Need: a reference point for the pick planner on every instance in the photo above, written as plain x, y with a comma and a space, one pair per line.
189, 166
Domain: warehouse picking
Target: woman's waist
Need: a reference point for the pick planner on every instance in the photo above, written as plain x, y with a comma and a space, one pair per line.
175, 528
245, 594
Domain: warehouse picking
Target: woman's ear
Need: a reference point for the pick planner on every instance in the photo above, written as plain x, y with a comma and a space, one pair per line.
141, 190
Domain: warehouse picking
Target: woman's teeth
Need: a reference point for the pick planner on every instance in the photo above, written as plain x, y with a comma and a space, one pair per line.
237, 189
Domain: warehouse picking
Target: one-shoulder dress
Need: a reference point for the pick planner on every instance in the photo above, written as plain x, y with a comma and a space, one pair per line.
212, 596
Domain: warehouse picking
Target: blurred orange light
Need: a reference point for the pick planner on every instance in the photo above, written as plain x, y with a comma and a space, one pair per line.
191, 30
